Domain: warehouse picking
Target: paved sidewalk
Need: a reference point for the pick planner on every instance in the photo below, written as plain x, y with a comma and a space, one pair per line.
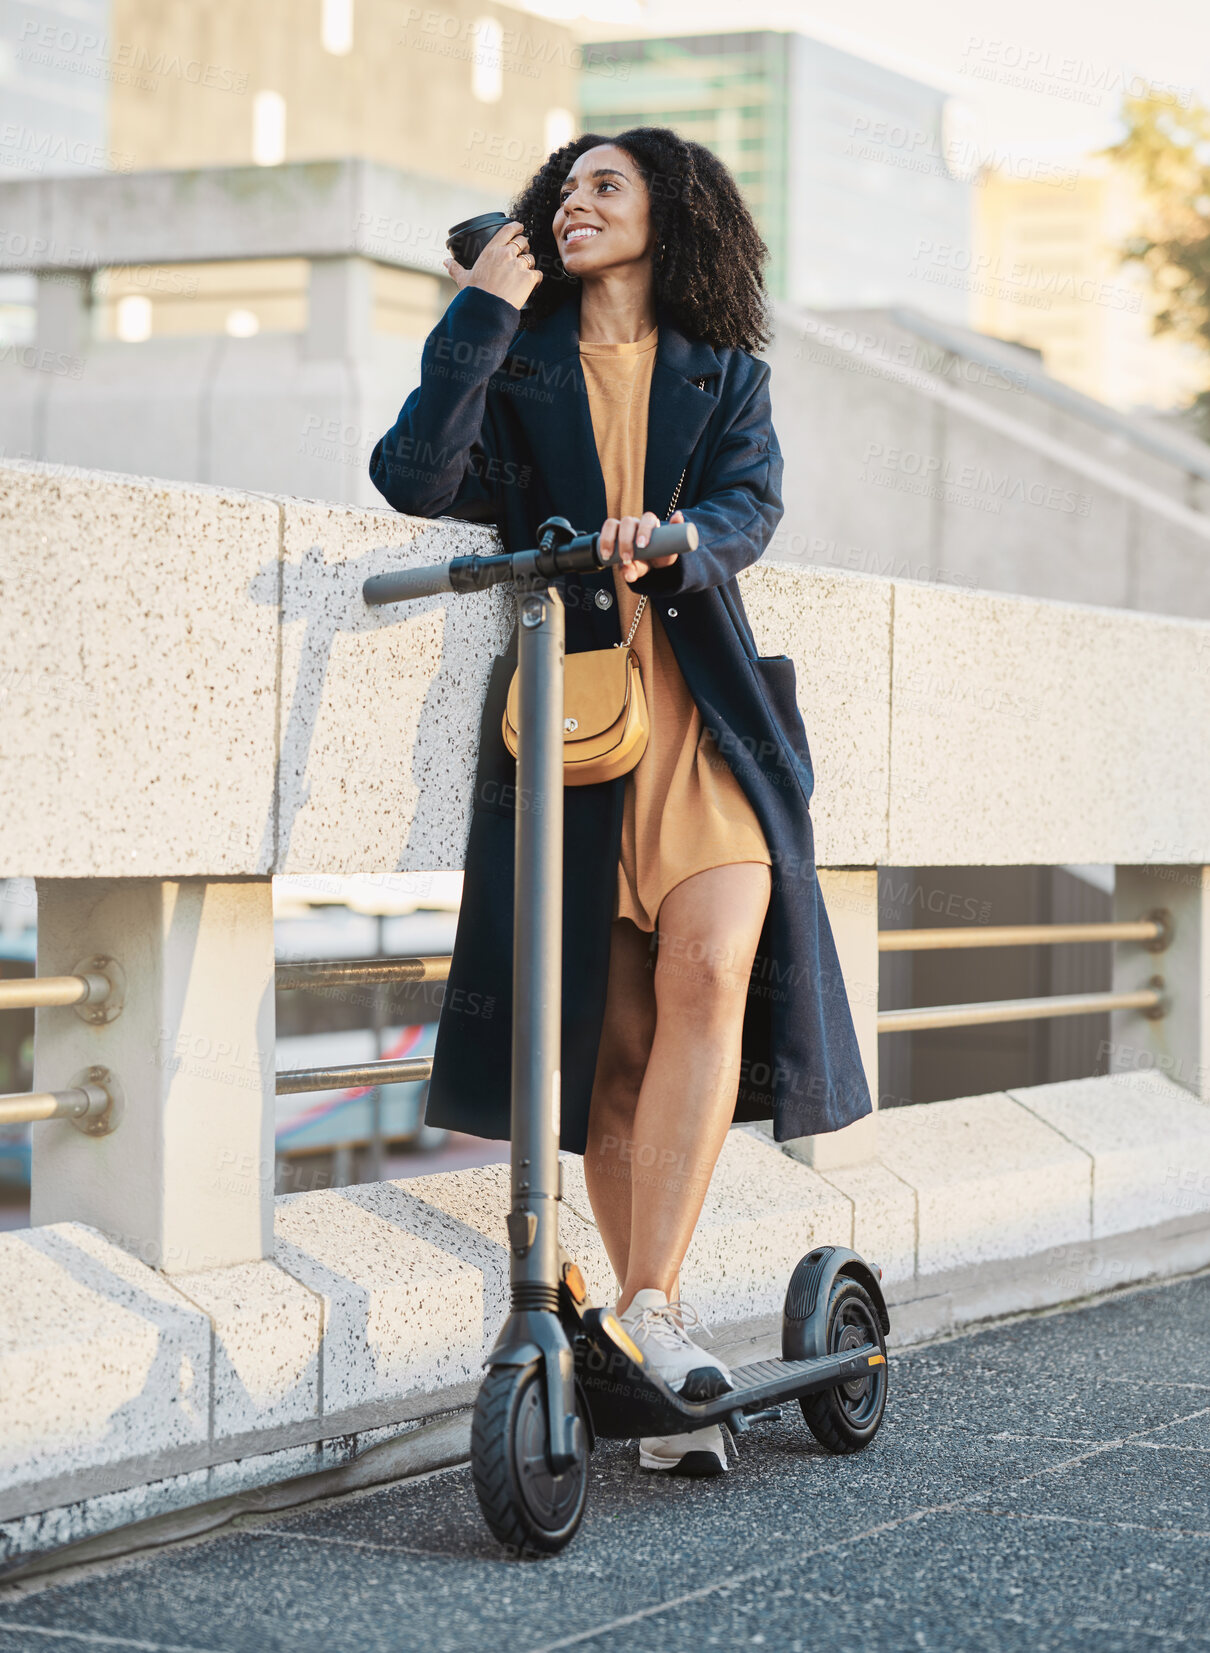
1040, 1485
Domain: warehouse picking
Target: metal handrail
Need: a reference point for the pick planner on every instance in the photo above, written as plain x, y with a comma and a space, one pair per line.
404, 1071
39, 992
1149, 999
89, 1103
1154, 929
359, 972
363, 972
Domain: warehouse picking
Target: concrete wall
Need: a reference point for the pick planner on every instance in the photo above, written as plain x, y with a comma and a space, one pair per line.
929, 453
193, 686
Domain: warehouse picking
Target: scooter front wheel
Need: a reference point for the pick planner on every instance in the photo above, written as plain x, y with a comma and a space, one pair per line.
525, 1505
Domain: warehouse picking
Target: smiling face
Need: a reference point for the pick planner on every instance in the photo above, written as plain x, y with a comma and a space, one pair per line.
604, 215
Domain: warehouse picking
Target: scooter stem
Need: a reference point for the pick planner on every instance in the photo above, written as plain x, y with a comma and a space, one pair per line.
537, 951
533, 1221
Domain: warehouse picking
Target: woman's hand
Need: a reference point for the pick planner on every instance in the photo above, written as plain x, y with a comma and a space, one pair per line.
630, 534
504, 267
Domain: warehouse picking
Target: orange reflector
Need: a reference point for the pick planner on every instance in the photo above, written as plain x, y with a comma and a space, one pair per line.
876, 1360
574, 1281
617, 1333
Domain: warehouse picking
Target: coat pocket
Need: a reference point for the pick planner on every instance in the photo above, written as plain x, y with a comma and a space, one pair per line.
777, 677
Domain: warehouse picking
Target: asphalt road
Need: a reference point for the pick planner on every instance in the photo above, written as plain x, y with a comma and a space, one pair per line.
1044, 1484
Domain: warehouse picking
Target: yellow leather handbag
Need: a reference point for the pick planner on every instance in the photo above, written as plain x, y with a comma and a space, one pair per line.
605, 719
606, 724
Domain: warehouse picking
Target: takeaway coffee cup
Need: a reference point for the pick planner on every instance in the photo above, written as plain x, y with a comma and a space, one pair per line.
468, 239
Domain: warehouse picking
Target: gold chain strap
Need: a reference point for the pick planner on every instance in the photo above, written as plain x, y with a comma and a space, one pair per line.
638, 613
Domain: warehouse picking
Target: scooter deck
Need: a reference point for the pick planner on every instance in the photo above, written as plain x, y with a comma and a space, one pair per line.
627, 1401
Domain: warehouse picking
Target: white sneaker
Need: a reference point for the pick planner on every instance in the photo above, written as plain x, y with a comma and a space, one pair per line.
658, 1327
698, 1452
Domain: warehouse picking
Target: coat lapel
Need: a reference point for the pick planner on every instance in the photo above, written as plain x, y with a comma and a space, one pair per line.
678, 411
553, 404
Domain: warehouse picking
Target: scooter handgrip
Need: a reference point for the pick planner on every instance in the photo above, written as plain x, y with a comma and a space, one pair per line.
671, 539
406, 584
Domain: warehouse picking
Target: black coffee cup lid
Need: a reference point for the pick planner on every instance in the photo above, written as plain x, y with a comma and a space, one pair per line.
480, 222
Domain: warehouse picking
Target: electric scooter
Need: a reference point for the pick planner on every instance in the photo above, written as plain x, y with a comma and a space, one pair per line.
564, 1373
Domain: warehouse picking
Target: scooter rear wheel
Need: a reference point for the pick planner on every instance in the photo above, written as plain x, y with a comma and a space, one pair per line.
526, 1506
846, 1418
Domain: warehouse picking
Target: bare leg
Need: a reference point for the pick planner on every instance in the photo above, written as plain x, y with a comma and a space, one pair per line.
626, 1034
652, 1147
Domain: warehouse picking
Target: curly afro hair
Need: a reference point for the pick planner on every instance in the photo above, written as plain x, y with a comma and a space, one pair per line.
709, 256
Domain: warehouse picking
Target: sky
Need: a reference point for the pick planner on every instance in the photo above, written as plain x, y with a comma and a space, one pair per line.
1041, 78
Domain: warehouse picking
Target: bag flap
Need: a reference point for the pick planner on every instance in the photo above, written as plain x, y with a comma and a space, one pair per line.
596, 688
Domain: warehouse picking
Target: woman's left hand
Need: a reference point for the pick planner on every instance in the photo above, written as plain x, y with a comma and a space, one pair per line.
629, 535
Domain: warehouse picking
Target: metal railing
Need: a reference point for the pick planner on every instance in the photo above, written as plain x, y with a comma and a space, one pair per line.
91, 1103
1150, 1000
1154, 931
97, 992
318, 973
97, 989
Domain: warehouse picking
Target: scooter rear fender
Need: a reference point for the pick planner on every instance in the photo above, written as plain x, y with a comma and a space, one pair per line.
804, 1326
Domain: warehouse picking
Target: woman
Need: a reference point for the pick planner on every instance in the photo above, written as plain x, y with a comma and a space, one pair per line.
601, 349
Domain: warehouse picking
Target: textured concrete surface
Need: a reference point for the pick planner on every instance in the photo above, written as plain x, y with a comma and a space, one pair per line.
197, 1500
884, 1216
931, 453
137, 730
222, 703
401, 1313
1148, 1139
1176, 1044
1040, 1487
267, 1333
1082, 755
102, 1365
990, 1179
836, 627
380, 707
470, 1209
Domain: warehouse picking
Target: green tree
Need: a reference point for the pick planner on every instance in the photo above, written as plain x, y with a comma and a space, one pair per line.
1167, 147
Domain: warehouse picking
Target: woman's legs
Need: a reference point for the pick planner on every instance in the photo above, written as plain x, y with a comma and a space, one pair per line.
626, 1035
656, 1126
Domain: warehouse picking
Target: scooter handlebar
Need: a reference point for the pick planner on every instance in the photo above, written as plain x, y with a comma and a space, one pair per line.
404, 583
582, 554
670, 539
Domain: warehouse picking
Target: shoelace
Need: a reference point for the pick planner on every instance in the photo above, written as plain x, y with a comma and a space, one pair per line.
667, 1323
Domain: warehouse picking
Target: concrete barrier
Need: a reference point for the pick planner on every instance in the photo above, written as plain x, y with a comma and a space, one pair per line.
197, 698
201, 663
129, 1397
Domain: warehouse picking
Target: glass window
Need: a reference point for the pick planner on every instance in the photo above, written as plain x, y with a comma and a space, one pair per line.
241, 297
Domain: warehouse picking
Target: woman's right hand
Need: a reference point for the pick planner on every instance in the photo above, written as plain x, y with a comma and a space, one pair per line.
504, 267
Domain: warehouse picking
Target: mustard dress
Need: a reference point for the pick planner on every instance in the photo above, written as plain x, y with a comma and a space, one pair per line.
684, 810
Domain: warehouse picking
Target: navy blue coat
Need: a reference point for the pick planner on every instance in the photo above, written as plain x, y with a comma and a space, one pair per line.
499, 431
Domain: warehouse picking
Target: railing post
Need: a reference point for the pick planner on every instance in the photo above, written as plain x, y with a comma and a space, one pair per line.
851, 898
185, 1179
1176, 1044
